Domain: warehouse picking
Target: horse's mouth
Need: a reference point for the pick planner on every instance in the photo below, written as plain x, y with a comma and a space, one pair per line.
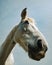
35, 56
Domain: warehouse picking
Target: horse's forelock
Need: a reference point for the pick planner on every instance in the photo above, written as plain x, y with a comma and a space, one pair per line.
30, 20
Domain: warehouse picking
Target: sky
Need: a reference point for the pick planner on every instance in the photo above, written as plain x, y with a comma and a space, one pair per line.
41, 11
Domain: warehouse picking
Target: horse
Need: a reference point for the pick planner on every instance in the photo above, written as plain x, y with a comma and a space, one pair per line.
28, 36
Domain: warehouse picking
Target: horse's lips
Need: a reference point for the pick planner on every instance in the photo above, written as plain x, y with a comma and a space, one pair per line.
35, 56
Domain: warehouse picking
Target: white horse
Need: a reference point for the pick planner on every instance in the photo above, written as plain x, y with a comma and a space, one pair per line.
28, 36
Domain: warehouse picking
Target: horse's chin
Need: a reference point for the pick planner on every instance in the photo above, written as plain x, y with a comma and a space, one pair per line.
35, 56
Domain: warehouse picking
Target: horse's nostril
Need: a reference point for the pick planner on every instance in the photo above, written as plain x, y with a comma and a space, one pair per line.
39, 43
46, 49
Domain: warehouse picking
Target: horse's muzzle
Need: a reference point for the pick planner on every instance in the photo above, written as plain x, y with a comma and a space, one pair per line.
36, 53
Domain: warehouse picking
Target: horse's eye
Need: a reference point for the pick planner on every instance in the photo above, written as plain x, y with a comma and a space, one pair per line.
26, 22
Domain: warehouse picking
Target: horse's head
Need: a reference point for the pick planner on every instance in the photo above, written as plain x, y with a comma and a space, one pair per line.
30, 38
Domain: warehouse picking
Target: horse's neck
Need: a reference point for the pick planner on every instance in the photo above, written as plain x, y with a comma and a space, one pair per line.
7, 46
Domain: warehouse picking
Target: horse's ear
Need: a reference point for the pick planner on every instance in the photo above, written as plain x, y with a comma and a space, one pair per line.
24, 13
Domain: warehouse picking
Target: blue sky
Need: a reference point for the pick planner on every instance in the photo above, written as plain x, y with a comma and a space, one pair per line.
41, 11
